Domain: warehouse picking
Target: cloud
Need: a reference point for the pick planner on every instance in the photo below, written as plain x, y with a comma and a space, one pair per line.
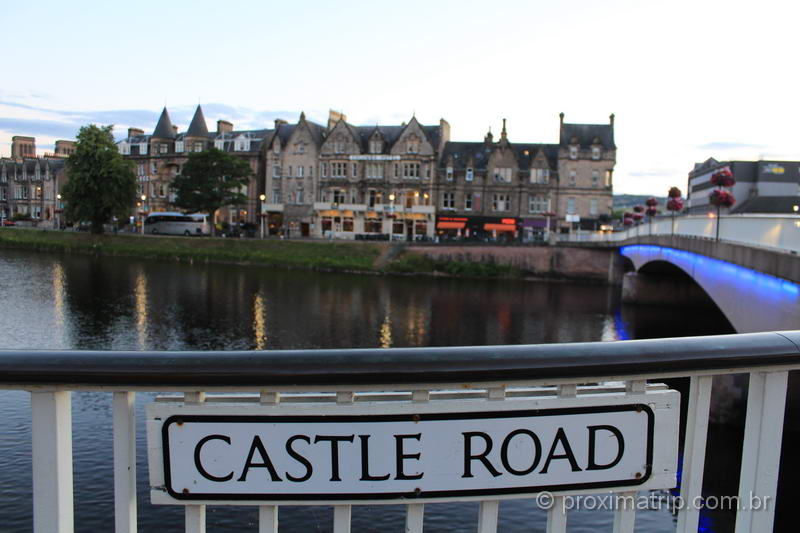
17, 126
653, 173
725, 145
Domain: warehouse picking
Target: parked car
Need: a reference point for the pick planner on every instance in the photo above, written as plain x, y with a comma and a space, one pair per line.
7, 222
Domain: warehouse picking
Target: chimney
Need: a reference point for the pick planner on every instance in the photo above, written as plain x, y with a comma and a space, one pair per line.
489, 137
278, 122
223, 126
133, 132
561, 116
175, 129
611, 119
503, 134
334, 117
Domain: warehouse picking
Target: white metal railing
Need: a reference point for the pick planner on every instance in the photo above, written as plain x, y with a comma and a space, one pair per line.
299, 380
770, 231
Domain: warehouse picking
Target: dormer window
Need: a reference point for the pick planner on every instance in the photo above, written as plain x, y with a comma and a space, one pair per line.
276, 148
338, 147
375, 147
178, 147
595, 152
573, 152
469, 174
449, 173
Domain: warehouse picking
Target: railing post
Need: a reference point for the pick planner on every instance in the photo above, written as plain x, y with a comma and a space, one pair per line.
557, 514
761, 451
124, 462
195, 515
52, 462
268, 514
342, 513
490, 509
694, 451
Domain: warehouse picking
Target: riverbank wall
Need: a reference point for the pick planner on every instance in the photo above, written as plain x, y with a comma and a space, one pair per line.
601, 266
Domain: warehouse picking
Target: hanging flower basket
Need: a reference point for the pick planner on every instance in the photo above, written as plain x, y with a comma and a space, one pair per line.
674, 192
638, 216
638, 209
627, 221
723, 178
651, 211
651, 202
627, 215
675, 203
720, 198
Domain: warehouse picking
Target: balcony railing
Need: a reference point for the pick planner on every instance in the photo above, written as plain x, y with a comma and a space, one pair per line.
450, 378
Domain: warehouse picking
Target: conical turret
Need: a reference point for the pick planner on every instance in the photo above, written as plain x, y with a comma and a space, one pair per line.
164, 128
198, 126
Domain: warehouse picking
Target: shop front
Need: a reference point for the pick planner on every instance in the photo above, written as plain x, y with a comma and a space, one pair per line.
538, 229
487, 229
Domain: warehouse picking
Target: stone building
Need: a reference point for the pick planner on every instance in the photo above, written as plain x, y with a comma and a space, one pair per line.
160, 156
22, 146
521, 191
378, 180
29, 188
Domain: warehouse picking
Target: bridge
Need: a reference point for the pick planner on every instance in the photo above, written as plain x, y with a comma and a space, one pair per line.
748, 265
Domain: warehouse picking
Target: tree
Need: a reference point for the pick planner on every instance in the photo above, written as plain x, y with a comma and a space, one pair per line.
101, 184
210, 180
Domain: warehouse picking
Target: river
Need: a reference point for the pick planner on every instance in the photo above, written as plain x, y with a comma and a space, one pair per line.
78, 302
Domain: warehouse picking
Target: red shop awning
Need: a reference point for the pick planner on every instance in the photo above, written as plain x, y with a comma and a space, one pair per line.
450, 225
500, 227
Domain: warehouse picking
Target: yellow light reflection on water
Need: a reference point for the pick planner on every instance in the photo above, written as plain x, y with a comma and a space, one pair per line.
259, 322
59, 295
386, 333
140, 305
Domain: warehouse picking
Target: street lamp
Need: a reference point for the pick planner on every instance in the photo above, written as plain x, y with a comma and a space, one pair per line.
796, 208
143, 198
263, 198
58, 211
391, 217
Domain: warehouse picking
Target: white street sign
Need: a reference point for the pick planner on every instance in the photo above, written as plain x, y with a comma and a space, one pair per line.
262, 453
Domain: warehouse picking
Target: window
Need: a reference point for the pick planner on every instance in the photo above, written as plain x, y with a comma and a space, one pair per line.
353, 196
179, 147
289, 197
197, 147
124, 148
300, 148
502, 175
593, 206
152, 189
448, 200
300, 170
338, 147
276, 196
538, 204
595, 152
427, 172
276, 171
375, 147
412, 147
469, 175
276, 148
396, 170
338, 196
373, 198
411, 170
37, 193
153, 167
163, 148
501, 202
572, 178
355, 170
540, 175
142, 148
468, 202
324, 170
311, 171
140, 169
570, 206
449, 174
219, 144
595, 178
573, 152
375, 170
3, 194
289, 173
162, 191
299, 196
608, 178
338, 169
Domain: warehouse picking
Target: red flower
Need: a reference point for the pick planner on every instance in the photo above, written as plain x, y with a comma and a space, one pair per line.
675, 204
652, 211
638, 209
627, 221
651, 202
720, 198
637, 216
723, 178
674, 192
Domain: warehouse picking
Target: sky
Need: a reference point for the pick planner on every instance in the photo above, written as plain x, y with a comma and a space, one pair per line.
686, 80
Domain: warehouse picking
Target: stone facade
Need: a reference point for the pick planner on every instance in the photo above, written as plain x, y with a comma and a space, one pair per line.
29, 188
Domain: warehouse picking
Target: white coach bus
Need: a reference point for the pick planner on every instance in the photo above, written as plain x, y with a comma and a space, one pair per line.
168, 223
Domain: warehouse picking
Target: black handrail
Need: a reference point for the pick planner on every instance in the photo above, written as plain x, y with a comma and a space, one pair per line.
455, 365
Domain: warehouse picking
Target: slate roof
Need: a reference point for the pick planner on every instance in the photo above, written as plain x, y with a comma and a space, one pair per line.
256, 137
480, 152
586, 133
164, 127
768, 204
198, 127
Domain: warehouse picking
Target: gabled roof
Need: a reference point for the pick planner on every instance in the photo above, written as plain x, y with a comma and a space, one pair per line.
585, 135
198, 127
479, 152
164, 128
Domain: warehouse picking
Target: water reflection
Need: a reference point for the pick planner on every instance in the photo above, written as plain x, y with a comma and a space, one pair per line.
259, 322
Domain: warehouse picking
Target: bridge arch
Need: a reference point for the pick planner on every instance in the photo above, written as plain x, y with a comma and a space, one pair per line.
750, 300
